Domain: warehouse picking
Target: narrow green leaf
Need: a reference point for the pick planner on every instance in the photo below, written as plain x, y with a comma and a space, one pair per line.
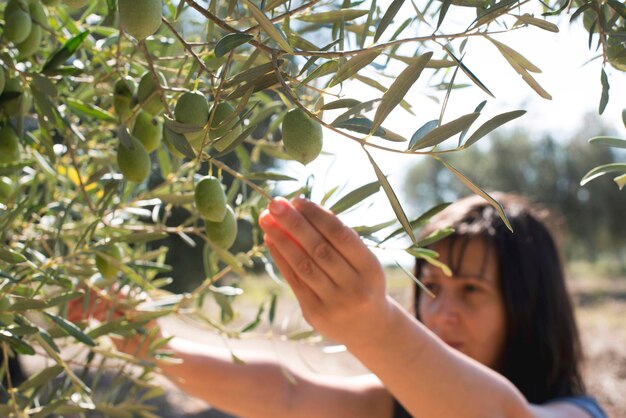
390, 13
493, 124
419, 221
353, 66
512, 55
493, 202
257, 320
435, 236
263, 176
373, 83
301, 43
41, 378
393, 199
333, 16
137, 237
326, 68
423, 130
274, 33
415, 279
340, 104
17, 344
272, 311
445, 131
11, 256
252, 74
71, 329
608, 141
431, 257
442, 12
619, 7
356, 110
540, 23
62, 54
602, 170
313, 59
230, 42
469, 73
367, 230
624, 117
354, 197
89, 110
399, 88
604, 99
179, 142
179, 9
497, 9
364, 126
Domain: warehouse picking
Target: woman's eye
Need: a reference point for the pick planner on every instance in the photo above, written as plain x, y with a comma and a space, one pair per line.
432, 287
470, 288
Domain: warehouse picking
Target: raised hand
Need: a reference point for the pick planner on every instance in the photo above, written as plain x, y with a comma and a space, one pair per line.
337, 280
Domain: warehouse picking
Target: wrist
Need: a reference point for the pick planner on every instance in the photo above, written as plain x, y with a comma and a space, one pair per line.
378, 328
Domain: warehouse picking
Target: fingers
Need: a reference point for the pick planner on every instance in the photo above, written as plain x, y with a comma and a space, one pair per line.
295, 263
323, 253
343, 238
304, 294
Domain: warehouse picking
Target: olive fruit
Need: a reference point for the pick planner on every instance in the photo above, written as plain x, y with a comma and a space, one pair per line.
76, 3
9, 145
140, 18
210, 199
31, 44
17, 25
151, 102
302, 136
226, 132
170, 144
134, 162
192, 108
107, 269
224, 233
17, 105
6, 188
148, 130
38, 13
123, 93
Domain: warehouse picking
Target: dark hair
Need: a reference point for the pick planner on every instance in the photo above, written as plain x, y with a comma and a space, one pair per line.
542, 351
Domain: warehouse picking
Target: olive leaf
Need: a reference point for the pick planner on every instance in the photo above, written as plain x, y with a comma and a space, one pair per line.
274, 33
608, 141
399, 88
445, 131
602, 170
230, 42
353, 66
332, 16
493, 124
356, 196
391, 12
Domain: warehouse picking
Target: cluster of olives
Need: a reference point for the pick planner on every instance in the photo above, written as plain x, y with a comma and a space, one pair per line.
24, 20
147, 132
219, 218
9, 141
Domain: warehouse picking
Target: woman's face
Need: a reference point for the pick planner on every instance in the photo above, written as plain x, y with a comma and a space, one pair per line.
468, 311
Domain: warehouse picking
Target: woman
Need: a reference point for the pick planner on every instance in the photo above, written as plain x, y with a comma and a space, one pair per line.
498, 339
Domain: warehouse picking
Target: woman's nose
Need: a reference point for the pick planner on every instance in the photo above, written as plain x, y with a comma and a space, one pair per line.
446, 308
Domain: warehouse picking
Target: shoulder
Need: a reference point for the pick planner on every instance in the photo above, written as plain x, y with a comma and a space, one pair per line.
588, 404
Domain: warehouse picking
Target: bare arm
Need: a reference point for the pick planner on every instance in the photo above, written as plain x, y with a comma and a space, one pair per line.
341, 288
260, 388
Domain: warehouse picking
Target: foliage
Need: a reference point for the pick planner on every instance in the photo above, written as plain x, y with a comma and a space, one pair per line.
86, 102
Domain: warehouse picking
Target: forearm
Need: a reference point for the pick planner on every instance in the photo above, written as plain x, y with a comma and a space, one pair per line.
431, 379
260, 388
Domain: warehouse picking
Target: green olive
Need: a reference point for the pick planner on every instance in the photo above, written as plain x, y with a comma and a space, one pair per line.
210, 199
151, 102
31, 44
302, 136
107, 269
224, 233
140, 18
123, 93
134, 162
148, 130
9, 145
17, 25
192, 108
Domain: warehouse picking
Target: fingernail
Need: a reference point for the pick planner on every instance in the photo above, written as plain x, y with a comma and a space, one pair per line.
277, 207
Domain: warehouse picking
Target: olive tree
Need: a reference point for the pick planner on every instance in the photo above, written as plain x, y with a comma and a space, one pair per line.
115, 114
